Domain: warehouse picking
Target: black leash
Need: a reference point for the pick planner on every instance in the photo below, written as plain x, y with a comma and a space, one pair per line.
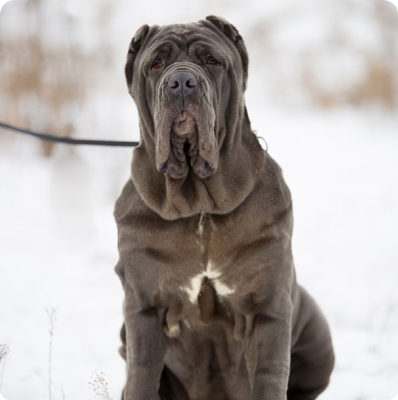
63, 139
89, 142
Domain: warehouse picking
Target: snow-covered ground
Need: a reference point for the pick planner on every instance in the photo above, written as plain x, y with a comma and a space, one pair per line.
58, 249
58, 240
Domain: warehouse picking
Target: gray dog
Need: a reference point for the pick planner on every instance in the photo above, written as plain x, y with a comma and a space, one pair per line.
212, 307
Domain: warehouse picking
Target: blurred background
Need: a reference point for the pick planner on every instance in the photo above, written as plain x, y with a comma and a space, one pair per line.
323, 93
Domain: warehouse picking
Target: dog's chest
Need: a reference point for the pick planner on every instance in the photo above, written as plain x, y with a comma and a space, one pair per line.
202, 319
211, 280
203, 282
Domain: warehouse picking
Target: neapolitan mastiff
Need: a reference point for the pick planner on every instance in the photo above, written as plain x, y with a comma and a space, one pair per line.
212, 307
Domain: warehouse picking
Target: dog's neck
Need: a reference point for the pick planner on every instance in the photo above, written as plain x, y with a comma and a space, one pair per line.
240, 164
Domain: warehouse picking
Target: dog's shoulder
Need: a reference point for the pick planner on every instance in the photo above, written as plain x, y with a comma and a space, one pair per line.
271, 196
134, 219
124, 202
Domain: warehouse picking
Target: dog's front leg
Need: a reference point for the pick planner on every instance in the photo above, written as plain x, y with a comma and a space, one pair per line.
145, 348
268, 354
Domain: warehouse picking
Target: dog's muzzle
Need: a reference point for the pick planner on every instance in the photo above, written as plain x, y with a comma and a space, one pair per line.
186, 137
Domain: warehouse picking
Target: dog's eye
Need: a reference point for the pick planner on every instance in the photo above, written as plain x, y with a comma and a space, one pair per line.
212, 61
156, 64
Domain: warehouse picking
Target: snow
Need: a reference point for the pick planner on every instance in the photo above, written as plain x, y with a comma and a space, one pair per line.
58, 241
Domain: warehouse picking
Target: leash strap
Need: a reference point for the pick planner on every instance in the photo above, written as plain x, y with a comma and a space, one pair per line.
67, 140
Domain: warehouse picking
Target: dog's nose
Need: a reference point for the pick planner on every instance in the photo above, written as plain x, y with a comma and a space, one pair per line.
182, 83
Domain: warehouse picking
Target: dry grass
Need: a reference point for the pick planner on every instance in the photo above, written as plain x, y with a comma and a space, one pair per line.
379, 84
41, 96
43, 85
99, 385
305, 68
4, 351
52, 317
98, 382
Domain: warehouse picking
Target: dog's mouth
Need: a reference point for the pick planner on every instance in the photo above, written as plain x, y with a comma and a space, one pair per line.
184, 149
184, 124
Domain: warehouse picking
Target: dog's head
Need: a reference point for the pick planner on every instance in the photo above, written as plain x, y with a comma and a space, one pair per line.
188, 82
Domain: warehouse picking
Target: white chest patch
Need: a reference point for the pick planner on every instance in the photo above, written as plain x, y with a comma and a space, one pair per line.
214, 276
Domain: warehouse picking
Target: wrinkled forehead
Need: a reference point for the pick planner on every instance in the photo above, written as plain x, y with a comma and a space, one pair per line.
186, 33
188, 38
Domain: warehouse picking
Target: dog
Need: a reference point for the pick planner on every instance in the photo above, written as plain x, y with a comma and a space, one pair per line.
212, 307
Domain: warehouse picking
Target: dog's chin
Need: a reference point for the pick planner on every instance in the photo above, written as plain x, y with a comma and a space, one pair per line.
184, 150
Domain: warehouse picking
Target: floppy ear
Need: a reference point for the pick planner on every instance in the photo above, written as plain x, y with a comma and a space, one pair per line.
232, 33
134, 48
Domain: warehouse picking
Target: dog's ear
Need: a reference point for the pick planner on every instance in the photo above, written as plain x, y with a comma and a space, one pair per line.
232, 33
134, 48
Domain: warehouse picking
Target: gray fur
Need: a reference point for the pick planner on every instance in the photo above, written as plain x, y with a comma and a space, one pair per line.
212, 307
